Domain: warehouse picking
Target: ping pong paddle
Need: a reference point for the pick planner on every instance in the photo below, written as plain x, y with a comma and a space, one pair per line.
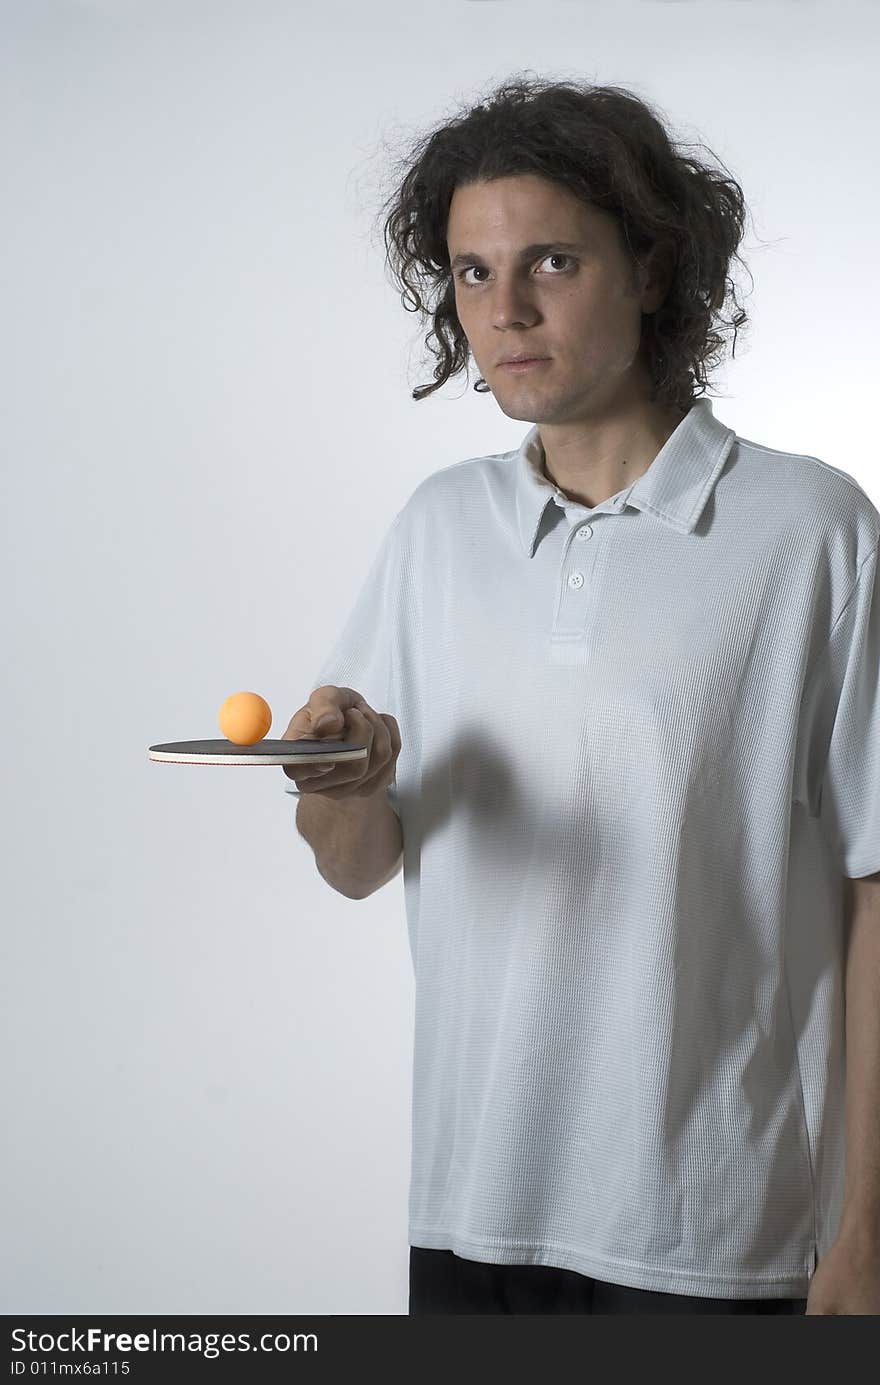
264, 752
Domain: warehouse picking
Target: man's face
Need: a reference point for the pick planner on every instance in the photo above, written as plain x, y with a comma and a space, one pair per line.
579, 307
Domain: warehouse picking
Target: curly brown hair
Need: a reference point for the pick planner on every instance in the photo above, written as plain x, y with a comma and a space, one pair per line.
612, 151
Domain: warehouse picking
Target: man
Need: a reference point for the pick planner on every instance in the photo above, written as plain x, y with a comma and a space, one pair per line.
634, 664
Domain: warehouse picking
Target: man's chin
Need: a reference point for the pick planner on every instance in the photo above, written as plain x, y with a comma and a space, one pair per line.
527, 410
512, 410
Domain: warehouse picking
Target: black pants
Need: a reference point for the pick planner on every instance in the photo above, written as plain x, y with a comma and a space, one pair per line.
443, 1282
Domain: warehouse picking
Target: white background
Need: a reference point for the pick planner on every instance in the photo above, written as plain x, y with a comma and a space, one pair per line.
207, 425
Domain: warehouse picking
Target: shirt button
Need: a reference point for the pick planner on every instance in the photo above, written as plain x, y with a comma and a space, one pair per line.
585, 532
576, 579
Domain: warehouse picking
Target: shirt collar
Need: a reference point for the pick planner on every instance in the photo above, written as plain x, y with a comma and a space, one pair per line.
675, 487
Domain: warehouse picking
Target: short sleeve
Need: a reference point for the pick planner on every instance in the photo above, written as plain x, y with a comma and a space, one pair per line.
363, 655
842, 713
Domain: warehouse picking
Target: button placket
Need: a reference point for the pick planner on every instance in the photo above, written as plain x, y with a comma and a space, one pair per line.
576, 579
571, 614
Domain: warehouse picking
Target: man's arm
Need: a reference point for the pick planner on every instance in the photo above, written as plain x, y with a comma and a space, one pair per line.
358, 842
860, 1216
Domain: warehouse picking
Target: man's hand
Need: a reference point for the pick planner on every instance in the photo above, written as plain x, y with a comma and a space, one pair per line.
351, 719
847, 1279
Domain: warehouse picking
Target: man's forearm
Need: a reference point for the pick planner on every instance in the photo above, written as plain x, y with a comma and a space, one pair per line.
861, 1207
357, 841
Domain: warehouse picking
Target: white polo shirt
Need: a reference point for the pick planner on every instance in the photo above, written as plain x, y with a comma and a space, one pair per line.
641, 746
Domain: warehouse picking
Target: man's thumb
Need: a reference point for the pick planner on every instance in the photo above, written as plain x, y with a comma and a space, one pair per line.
328, 719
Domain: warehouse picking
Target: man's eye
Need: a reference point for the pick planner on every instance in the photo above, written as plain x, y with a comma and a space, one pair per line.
554, 255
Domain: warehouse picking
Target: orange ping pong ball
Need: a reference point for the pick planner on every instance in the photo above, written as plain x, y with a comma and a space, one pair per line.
245, 717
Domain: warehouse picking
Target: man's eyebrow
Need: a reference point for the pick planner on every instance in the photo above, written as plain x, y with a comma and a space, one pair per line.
528, 253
